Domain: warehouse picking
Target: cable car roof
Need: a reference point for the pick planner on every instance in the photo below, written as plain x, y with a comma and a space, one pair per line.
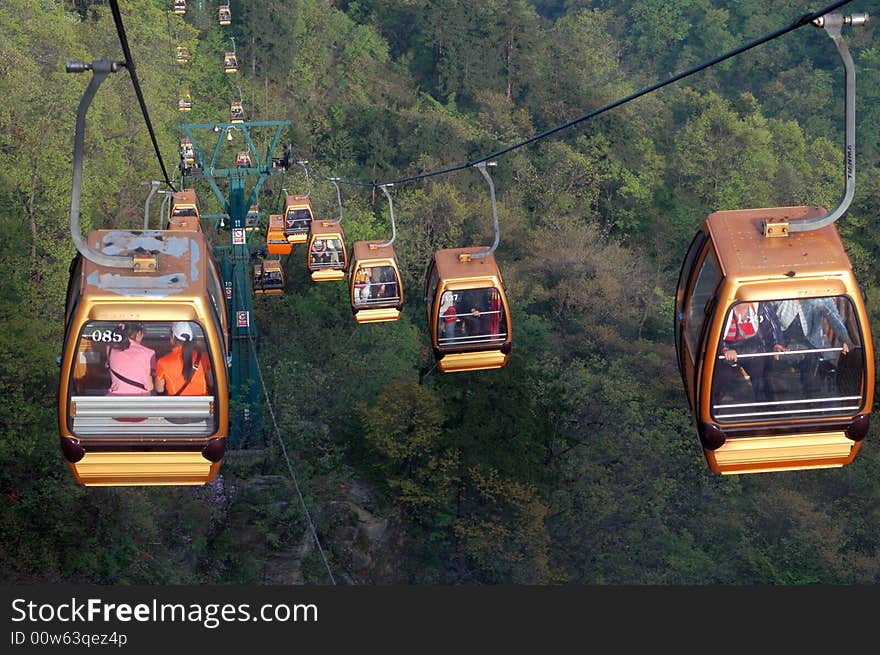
363, 253
326, 227
744, 252
182, 263
449, 266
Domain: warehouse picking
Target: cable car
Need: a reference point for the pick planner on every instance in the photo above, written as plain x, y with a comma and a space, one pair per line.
468, 313
327, 258
252, 219
230, 63
268, 278
224, 15
182, 54
769, 406
298, 215
187, 152
179, 7
185, 213
276, 242
466, 304
185, 103
327, 255
375, 287
111, 436
236, 113
375, 284
772, 336
243, 159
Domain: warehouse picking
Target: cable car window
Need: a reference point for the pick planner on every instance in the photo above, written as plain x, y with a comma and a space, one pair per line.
789, 359
471, 317
117, 364
298, 219
707, 280
327, 253
375, 285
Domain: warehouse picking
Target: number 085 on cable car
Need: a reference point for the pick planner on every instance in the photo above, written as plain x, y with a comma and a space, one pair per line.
773, 344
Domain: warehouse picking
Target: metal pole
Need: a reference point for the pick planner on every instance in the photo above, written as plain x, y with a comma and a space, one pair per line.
100, 68
832, 24
485, 253
391, 210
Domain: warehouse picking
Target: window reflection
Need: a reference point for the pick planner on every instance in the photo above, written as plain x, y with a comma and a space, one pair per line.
788, 359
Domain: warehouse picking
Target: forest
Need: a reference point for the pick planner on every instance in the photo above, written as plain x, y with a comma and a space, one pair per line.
575, 464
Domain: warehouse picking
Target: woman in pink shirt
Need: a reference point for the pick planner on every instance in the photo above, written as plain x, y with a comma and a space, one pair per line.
131, 364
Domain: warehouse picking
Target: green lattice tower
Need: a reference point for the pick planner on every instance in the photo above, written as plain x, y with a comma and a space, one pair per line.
234, 257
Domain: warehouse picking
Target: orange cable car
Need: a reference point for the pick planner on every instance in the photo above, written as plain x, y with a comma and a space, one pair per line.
243, 159
252, 219
139, 302
276, 242
774, 344
298, 216
466, 305
375, 284
269, 278
185, 213
182, 54
179, 7
236, 113
772, 336
327, 255
224, 15
113, 431
187, 152
185, 103
230, 63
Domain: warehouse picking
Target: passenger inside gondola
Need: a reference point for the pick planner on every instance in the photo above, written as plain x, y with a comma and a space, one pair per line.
131, 364
102, 347
362, 281
383, 284
472, 317
803, 360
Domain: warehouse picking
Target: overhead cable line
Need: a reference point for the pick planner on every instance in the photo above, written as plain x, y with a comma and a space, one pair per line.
806, 19
129, 64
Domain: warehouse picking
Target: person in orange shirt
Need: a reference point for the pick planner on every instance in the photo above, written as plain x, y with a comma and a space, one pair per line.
185, 371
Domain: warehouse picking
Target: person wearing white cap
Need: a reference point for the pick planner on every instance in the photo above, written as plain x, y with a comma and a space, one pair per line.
185, 371
448, 316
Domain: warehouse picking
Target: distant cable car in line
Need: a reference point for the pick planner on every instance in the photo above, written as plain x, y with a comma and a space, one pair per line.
298, 216
327, 256
184, 103
230, 63
236, 113
182, 54
276, 241
298, 211
772, 336
224, 15
187, 155
243, 159
252, 219
268, 277
466, 305
185, 212
179, 7
375, 285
